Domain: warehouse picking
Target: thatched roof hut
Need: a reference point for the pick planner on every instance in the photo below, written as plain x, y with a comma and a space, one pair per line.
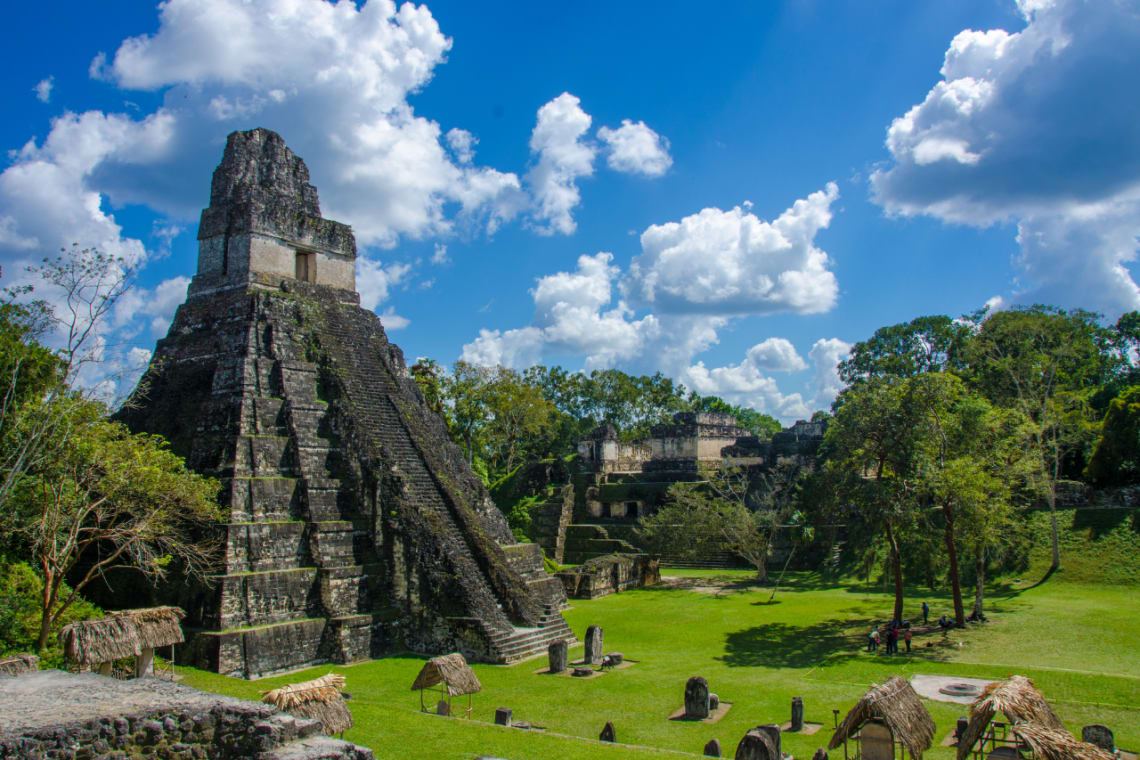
121, 634
1017, 699
453, 676
18, 664
898, 706
1056, 743
319, 698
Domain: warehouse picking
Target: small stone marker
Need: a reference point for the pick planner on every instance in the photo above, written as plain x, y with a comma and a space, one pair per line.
607, 734
960, 727
557, 654
773, 732
712, 749
820, 754
503, 716
1099, 736
697, 698
443, 708
758, 744
616, 657
714, 702
594, 644
797, 714
582, 672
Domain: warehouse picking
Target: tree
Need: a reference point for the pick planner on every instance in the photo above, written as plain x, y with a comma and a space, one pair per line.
429, 377
1116, 459
869, 452
519, 416
109, 500
466, 393
715, 513
926, 344
1043, 361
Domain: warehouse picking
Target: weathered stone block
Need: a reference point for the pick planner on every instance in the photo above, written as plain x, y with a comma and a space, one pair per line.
594, 644
697, 698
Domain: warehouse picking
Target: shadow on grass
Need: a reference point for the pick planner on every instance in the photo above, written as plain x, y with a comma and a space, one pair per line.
780, 645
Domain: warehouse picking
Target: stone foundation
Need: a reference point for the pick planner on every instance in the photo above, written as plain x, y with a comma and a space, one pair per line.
50, 714
609, 575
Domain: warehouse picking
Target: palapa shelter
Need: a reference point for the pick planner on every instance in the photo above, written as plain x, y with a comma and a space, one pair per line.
889, 714
119, 635
453, 676
1016, 698
1056, 743
320, 698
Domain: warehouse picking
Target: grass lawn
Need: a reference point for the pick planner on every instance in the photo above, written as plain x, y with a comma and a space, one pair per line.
1078, 643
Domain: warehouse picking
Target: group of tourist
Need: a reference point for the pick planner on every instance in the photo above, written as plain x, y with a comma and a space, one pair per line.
897, 629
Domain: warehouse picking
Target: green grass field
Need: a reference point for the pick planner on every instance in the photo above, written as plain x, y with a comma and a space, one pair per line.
1077, 641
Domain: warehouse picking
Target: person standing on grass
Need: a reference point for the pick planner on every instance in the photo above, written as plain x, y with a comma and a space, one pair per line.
873, 639
892, 640
906, 638
925, 613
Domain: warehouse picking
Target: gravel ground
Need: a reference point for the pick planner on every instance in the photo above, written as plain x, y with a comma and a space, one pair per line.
53, 697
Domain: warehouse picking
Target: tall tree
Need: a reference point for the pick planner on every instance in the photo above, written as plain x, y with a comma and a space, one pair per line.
926, 344
1043, 361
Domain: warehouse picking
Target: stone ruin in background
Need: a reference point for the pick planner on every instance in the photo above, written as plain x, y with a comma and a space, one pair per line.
353, 525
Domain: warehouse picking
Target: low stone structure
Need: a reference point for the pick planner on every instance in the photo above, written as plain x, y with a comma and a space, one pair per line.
51, 714
712, 749
1099, 736
610, 574
503, 716
608, 734
761, 743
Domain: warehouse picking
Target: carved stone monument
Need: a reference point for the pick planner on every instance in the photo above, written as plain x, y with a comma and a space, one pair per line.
503, 716
607, 734
819, 754
594, 644
1099, 736
557, 654
759, 744
797, 714
697, 698
353, 526
712, 749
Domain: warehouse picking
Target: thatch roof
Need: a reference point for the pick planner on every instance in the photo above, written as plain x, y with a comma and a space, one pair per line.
18, 664
121, 634
452, 671
319, 698
1017, 699
158, 626
897, 704
1056, 743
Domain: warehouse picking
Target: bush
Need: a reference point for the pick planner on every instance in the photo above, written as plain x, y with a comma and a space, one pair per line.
20, 613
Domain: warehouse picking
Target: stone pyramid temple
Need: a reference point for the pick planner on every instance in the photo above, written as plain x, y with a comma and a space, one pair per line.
355, 527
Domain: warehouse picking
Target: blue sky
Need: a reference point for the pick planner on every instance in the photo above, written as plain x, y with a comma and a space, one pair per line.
729, 194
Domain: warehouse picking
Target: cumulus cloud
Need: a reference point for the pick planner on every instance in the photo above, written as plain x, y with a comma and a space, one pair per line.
826, 354
439, 254
462, 144
732, 262
43, 89
1031, 126
572, 314
153, 309
374, 280
636, 149
561, 158
776, 355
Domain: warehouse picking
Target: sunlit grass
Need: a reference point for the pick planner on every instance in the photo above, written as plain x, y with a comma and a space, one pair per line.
1077, 642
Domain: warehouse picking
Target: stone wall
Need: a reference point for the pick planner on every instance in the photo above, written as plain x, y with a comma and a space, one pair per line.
52, 715
611, 574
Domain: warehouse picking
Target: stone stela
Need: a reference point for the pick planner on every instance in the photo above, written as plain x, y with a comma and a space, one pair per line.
354, 527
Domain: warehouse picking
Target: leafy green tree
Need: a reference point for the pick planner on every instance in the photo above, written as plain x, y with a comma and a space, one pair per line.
870, 457
109, 500
429, 377
466, 393
761, 425
1116, 459
1043, 362
519, 418
21, 595
715, 513
926, 344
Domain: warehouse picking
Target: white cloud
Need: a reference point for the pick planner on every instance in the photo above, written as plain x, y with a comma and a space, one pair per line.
776, 355
1032, 126
825, 355
159, 304
562, 157
637, 149
393, 321
731, 262
374, 280
439, 254
43, 89
462, 144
